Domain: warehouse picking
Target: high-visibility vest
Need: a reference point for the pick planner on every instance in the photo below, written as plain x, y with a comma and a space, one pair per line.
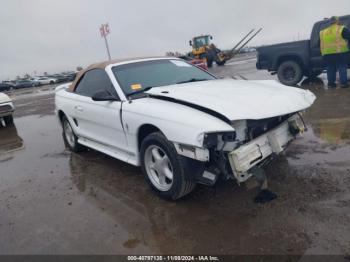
331, 40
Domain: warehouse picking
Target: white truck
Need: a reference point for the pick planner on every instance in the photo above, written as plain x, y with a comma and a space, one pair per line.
181, 124
6, 109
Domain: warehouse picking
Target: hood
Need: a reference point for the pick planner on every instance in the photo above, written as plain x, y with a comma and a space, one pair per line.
4, 98
240, 99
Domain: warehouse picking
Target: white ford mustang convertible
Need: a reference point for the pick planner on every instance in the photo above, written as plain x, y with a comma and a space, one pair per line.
181, 124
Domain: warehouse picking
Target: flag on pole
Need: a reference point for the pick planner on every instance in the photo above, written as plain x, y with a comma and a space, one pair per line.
104, 30
107, 29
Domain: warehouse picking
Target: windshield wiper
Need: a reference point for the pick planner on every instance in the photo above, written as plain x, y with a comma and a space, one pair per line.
192, 80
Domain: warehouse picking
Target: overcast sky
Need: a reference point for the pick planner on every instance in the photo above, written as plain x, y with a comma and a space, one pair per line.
49, 35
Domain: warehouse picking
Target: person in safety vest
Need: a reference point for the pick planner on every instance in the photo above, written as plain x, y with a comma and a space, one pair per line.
334, 45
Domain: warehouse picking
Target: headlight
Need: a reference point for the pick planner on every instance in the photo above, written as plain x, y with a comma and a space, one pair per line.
211, 140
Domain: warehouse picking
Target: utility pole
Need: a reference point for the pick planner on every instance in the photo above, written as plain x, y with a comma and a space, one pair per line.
104, 31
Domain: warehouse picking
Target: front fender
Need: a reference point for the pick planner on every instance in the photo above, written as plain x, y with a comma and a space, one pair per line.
179, 123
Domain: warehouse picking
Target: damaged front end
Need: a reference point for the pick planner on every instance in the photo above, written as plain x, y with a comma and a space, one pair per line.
262, 147
238, 154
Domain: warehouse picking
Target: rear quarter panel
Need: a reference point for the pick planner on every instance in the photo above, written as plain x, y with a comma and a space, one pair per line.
64, 102
269, 57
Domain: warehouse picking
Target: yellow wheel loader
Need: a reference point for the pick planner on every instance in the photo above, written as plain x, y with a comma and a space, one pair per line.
203, 49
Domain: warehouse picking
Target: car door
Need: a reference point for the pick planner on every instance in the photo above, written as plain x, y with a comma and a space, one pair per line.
98, 121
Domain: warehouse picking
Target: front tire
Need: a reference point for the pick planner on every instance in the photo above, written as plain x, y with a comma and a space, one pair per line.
289, 73
69, 137
221, 63
8, 120
165, 171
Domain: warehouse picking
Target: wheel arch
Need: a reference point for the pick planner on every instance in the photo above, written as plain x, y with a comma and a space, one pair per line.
60, 115
290, 57
145, 130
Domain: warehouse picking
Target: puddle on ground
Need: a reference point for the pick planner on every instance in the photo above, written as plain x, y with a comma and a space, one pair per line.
332, 131
10, 140
328, 139
54, 201
131, 243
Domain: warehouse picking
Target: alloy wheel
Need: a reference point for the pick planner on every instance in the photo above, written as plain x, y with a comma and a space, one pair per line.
159, 168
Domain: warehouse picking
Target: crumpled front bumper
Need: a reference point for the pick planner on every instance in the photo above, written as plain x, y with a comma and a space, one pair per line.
256, 151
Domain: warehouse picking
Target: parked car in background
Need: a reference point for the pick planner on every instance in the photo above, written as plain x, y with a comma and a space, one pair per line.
24, 83
71, 76
5, 87
35, 81
43, 80
6, 109
248, 50
11, 83
59, 78
181, 124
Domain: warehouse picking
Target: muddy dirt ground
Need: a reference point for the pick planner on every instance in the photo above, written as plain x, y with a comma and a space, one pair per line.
53, 201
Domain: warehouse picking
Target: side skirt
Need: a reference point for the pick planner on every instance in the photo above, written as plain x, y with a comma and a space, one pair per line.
113, 152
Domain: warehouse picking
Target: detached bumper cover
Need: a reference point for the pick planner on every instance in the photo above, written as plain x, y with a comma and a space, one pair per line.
257, 150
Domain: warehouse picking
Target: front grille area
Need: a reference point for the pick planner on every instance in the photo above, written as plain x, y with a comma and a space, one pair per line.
256, 128
5, 109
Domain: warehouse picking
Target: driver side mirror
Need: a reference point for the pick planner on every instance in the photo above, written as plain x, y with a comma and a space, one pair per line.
104, 96
190, 42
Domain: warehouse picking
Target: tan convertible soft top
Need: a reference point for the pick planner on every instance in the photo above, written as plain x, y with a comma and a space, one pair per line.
103, 65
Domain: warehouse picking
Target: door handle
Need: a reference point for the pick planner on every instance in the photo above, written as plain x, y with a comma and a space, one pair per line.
79, 108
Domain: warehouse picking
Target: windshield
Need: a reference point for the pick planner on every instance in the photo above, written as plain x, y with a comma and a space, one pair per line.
138, 76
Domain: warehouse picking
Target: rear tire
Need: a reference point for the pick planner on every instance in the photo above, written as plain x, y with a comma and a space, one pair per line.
69, 137
289, 73
8, 120
220, 63
165, 171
